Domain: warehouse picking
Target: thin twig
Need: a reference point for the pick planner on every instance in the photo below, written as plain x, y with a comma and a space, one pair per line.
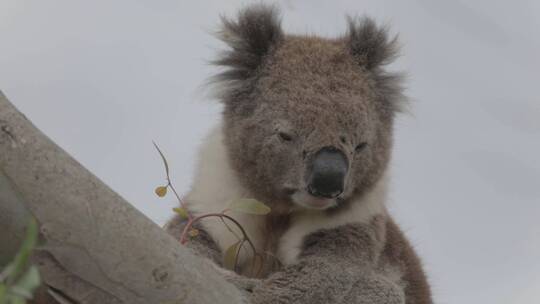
169, 182
221, 215
238, 254
230, 229
180, 200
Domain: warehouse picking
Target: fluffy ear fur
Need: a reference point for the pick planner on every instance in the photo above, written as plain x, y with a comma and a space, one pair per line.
373, 48
370, 44
250, 38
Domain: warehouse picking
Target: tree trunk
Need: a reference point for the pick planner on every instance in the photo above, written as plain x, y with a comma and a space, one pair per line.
97, 247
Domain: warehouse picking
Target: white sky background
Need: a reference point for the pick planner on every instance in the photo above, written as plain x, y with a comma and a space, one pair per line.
105, 78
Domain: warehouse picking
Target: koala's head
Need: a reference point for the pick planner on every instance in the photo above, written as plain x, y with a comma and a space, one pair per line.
307, 120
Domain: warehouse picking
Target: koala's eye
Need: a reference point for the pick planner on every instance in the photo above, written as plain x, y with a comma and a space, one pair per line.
360, 147
284, 136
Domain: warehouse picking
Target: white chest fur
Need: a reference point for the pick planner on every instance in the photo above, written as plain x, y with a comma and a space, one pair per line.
216, 184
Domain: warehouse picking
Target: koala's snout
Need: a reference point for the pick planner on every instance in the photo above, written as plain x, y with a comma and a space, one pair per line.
326, 176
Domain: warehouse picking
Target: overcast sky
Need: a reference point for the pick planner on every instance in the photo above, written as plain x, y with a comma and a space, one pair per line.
105, 78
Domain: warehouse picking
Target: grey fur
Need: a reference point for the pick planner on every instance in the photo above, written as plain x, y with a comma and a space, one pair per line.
271, 77
353, 274
370, 44
373, 48
250, 36
326, 275
318, 92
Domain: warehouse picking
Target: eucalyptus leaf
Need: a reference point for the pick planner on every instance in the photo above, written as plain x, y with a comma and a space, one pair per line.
29, 281
229, 259
6, 272
3, 293
249, 206
257, 265
193, 232
161, 191
182, 212
16, 300
21, 259
20, 292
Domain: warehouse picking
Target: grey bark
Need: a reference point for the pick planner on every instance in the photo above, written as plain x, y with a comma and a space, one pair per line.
97, 247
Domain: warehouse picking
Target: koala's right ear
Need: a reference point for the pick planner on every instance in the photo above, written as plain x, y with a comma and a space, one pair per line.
250, 37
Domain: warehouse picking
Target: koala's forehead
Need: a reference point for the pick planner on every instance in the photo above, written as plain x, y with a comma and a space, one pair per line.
301, 63
311, 78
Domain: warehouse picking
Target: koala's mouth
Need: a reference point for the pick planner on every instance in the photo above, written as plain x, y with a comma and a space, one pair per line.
308, 201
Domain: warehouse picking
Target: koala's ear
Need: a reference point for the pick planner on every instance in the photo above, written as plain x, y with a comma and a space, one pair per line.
250, 36
372, 47
370, 44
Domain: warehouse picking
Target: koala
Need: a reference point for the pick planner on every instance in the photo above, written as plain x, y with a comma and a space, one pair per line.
306, 128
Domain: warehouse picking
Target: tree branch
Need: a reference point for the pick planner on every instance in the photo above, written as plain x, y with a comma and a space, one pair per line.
94, 239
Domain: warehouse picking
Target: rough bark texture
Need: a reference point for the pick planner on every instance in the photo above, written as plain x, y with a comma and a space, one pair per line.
97, 247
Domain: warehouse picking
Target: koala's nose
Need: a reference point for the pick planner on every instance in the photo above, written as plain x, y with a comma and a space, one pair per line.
328, 171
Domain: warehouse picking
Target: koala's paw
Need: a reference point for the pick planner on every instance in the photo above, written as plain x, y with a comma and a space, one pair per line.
374, 288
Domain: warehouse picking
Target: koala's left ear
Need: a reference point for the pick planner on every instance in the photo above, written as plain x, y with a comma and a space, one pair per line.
370, 44
372, 48
250, 37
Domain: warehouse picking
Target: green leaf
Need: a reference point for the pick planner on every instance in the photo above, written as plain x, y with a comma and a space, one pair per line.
193, 232
16, 300
249, 206
163, 158
182, 212
257, 265
20, 292
229, 259
6, 272
21, 259
161, 191
3, 293
28, 282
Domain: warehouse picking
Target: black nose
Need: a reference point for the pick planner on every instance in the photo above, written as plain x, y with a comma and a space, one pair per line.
328, 171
